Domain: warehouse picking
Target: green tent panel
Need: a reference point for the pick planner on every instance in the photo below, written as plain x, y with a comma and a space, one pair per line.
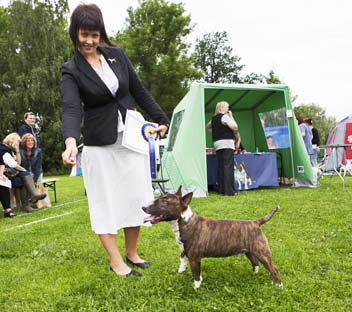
257, 109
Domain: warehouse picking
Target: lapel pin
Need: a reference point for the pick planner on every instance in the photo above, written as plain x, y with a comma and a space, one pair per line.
112, 60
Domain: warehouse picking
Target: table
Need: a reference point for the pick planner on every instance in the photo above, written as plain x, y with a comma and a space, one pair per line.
260, 168
336, 157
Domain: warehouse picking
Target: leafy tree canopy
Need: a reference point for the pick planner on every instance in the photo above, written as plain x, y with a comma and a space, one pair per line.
213, 56
272, 78
321, 122
35, 45
155, 40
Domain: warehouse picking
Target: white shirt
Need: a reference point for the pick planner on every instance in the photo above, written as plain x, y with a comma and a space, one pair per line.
9, 161
112, 83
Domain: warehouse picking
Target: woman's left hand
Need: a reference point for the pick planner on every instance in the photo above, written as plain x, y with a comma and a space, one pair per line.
161, 129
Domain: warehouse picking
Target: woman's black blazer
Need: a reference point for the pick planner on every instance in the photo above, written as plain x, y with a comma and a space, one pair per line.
81, 84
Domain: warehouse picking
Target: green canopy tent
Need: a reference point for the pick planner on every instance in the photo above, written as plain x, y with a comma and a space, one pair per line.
259, 110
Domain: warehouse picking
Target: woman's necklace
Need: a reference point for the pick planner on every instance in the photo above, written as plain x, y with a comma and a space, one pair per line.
95, 62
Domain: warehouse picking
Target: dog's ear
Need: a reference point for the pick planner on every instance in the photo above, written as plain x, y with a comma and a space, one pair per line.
187, 199
179, 191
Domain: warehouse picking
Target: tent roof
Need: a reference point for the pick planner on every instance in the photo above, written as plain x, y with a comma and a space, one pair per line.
241, 86
346, 119
239, 96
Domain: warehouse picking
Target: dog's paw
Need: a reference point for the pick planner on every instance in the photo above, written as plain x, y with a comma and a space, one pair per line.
183, 264
197, 283
256, 269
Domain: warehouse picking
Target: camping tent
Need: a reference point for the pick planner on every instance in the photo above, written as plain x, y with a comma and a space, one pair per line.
341, 134
260, 110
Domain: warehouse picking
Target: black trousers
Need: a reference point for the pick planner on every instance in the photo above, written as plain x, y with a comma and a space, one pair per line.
226, 162
5, 197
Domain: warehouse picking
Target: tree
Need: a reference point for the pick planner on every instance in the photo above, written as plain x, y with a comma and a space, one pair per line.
36, 45
214, 57
321, 122
272, 78
154, 40
4, 30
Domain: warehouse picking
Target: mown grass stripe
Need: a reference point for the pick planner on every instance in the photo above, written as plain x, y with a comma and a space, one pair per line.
45, 219
37, 221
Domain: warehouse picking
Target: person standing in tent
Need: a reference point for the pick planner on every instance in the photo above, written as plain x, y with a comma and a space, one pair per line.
224, 128
315, 142
117, 180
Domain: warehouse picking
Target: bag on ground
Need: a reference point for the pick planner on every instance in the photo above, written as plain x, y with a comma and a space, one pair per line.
43, 203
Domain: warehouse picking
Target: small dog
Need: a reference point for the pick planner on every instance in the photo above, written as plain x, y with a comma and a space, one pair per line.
241, 176
346, 168
199, 237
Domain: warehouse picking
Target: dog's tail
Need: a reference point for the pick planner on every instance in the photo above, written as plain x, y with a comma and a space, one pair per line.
268, 216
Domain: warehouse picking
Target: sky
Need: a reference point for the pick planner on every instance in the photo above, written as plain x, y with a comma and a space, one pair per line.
308, 43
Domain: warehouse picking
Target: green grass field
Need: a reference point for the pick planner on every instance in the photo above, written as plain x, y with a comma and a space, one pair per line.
50, 260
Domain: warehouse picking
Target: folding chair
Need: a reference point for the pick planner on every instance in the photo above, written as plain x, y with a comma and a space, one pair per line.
160, 180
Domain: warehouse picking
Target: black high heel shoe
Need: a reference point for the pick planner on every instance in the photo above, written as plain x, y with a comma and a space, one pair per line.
9, 214
132, 273
141, 265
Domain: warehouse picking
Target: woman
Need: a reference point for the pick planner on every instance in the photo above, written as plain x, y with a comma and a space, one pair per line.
117, 180
20, 178
5, 193
315, 143
224, 128
31, 157
28, 126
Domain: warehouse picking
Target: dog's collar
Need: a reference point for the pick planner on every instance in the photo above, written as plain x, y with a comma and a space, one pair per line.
187, 214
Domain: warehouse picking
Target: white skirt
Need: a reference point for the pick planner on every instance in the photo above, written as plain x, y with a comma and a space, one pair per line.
118, 185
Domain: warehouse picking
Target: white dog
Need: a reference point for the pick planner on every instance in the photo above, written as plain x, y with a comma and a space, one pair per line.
241, 176
346, 168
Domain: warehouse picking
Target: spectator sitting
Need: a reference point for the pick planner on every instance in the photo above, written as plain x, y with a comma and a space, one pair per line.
28, 126
5, 194
31, 157
21, 177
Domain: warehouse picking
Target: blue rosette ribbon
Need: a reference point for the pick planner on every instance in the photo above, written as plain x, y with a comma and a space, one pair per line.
150, 137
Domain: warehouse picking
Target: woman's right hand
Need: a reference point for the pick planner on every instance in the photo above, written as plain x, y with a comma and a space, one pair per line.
70, 153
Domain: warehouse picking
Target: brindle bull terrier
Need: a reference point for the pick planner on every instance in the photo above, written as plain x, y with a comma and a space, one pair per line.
200, 237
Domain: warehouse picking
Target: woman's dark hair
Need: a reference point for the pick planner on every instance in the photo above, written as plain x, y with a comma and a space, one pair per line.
300, 119
309, 121
88, 17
